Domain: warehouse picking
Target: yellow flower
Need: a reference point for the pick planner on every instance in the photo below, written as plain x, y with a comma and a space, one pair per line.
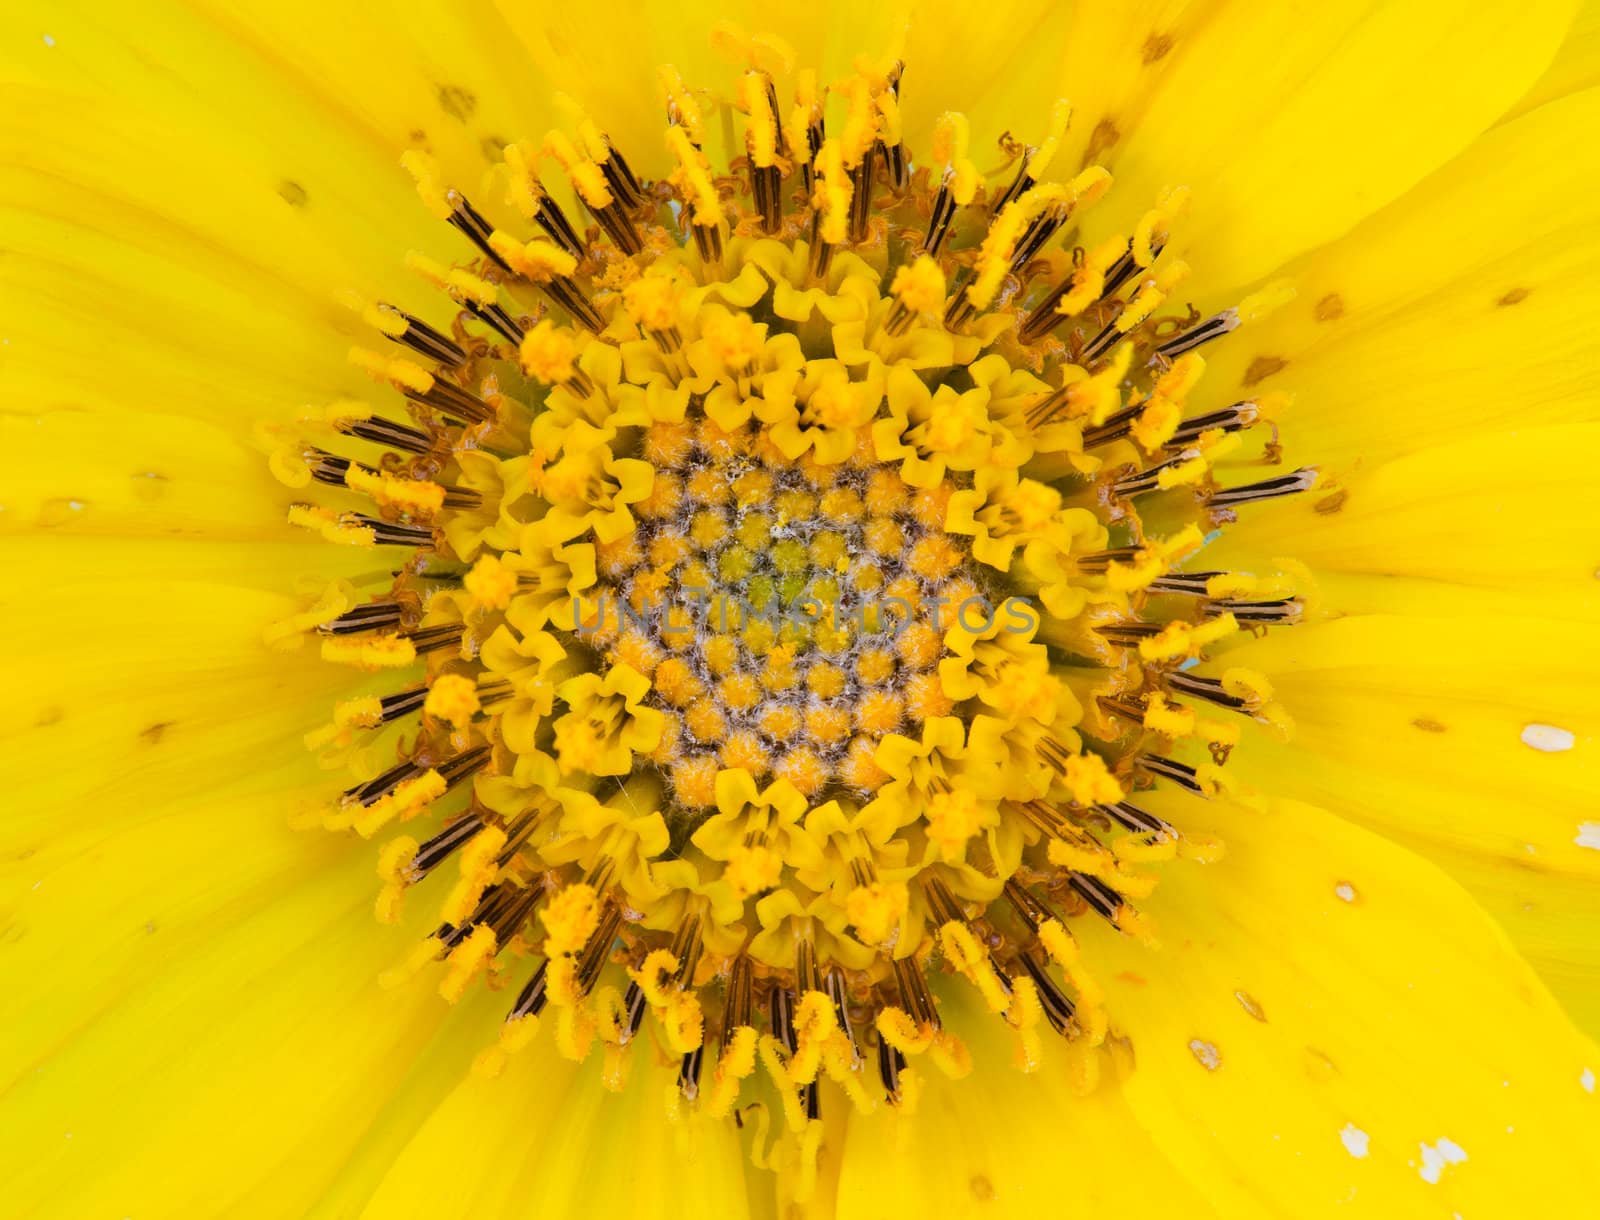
901, 644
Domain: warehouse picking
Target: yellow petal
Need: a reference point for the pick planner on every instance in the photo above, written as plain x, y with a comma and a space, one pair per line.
544, 1139
1290, 125
992, 1144
1505, 513
216, 1019
146, 688
1441, 315
1451, 736
1297, 1050
1576, 65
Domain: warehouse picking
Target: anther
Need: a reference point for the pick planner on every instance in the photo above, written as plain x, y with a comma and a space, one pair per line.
915, 997
1029, 909
456, 769
374, 616
431, 639
633, 1006
453, 402
890, 1064
330, 469
381, 785
1115, 427
411, 332
438, 849
529, 195
896, 165
1129, 817
390, 533
781, 1015
737, 1003
1102, 899
689, 1072
1277, 612
386, 432
1058, 1009
1124, 269
1209, 689
833, 983
598, 949
1267, 489
1096, 349
1188, 584
1213, 327
1235, 418
1182, 774
1149, 479
763, 141
402, 703
496, 318
943, 215
470, 221
533, 997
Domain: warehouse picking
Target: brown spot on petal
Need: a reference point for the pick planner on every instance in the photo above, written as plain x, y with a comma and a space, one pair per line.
156, 731
1514, 297
1251, 1005
457, 102
292, 193
1329, 308
1156, 47
1331, 503
982, 1188
1105, 134
1427, 725
1319, 1066
1263, 367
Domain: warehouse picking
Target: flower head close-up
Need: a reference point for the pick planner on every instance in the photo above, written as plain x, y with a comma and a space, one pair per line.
703, 611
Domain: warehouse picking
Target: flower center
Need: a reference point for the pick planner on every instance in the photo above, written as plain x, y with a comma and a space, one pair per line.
795, 596
787, 612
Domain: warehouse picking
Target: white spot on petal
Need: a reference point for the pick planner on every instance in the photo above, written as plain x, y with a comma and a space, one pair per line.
1444, 1152
1354, 1140
1588, 835
1432, 1167
1207, 1053
49, 40
1548, 738
1345, 891
1587, 1080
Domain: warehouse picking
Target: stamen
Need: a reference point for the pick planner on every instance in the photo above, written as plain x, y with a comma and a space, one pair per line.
528, 195
387, 432
1213, 327
1235, 418
533, 997
415, 334
374, 616
389, 533
1182, 774
1276, 612
1300, 480
439, 848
